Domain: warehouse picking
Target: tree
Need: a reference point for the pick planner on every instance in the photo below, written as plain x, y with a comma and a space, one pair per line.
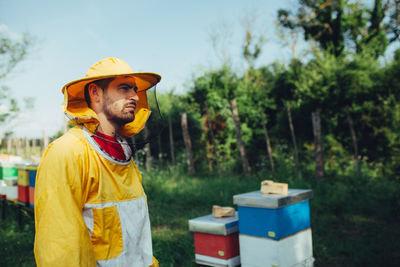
340, 25
12, 52
188, 143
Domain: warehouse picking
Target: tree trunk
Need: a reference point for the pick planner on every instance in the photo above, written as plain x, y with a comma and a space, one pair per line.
27, 148
319, 157
147, 149
9, 145
171, 140
18, 147
159, 150
242, 149
34, 152
269, 148
354, 138
188, 143
296, 152
214, 146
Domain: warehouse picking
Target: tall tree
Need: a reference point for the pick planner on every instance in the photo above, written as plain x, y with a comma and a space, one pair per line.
188, 143
337, 25
12, 52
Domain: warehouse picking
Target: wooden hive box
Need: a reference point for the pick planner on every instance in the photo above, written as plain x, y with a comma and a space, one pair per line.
216, 240
11, 192
23, 194
294, 250
273, 216
32, 170
275, 230
23, 177
7, 170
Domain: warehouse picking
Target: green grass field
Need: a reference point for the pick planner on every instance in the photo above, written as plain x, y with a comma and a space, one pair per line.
355, 220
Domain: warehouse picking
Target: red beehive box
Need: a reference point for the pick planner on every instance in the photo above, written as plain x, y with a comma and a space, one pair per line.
23, 193
216, 240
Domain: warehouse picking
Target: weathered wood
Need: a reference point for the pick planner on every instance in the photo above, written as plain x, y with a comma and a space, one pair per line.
214, 146
269, 148
242, 149
270, 187
188, 143
34, 146
27, 148
18, 146
171, 139
9, 145
296, 152
147, 149
319, 156
219, 212
159, 148
354, 139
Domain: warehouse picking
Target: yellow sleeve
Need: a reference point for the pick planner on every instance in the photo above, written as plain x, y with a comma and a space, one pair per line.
155, 263
62, 238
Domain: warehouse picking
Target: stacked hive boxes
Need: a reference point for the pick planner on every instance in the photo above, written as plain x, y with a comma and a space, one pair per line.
8, 181
274, 230
216, 240
23, 184
32, 179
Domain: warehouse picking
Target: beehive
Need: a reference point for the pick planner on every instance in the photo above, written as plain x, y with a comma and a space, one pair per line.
216, 240
275, 230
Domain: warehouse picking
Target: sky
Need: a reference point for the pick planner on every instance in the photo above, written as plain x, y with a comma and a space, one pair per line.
171, 38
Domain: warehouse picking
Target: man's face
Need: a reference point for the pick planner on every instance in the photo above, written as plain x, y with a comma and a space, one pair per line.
119, 100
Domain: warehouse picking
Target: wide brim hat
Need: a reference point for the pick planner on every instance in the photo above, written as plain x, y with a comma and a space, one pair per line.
108, 68
77, 110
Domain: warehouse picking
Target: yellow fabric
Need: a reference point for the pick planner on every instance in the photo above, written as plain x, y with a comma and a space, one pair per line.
107, 233
70, 175
155, 263
111, 67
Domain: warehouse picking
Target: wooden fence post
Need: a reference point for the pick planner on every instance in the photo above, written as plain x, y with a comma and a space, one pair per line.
296, 153
27, 148
9, 143
319, 157
188, 143
18, 147
147, 149
242, 149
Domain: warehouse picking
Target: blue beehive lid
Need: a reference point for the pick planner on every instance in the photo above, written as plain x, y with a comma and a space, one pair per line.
210, 225
272, 201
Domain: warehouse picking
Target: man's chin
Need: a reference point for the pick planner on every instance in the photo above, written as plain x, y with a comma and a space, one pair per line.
125, 120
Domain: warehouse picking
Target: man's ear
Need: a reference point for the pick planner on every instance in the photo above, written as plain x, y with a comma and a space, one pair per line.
95, 93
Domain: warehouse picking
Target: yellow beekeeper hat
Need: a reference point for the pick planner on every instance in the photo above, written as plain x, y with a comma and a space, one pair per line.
107, 68
77, 110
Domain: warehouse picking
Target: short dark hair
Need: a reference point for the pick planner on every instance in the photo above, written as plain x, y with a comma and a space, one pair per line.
102, 83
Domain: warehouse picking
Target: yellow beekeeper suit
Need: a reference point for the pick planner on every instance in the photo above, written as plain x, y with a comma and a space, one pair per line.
90, 208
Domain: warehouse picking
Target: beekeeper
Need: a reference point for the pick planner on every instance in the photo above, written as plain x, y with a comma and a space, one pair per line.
90, 206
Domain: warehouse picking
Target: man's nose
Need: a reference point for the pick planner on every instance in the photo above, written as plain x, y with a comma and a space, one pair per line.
134, 96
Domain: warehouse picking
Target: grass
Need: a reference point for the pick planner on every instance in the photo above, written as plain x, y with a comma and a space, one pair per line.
355, 220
